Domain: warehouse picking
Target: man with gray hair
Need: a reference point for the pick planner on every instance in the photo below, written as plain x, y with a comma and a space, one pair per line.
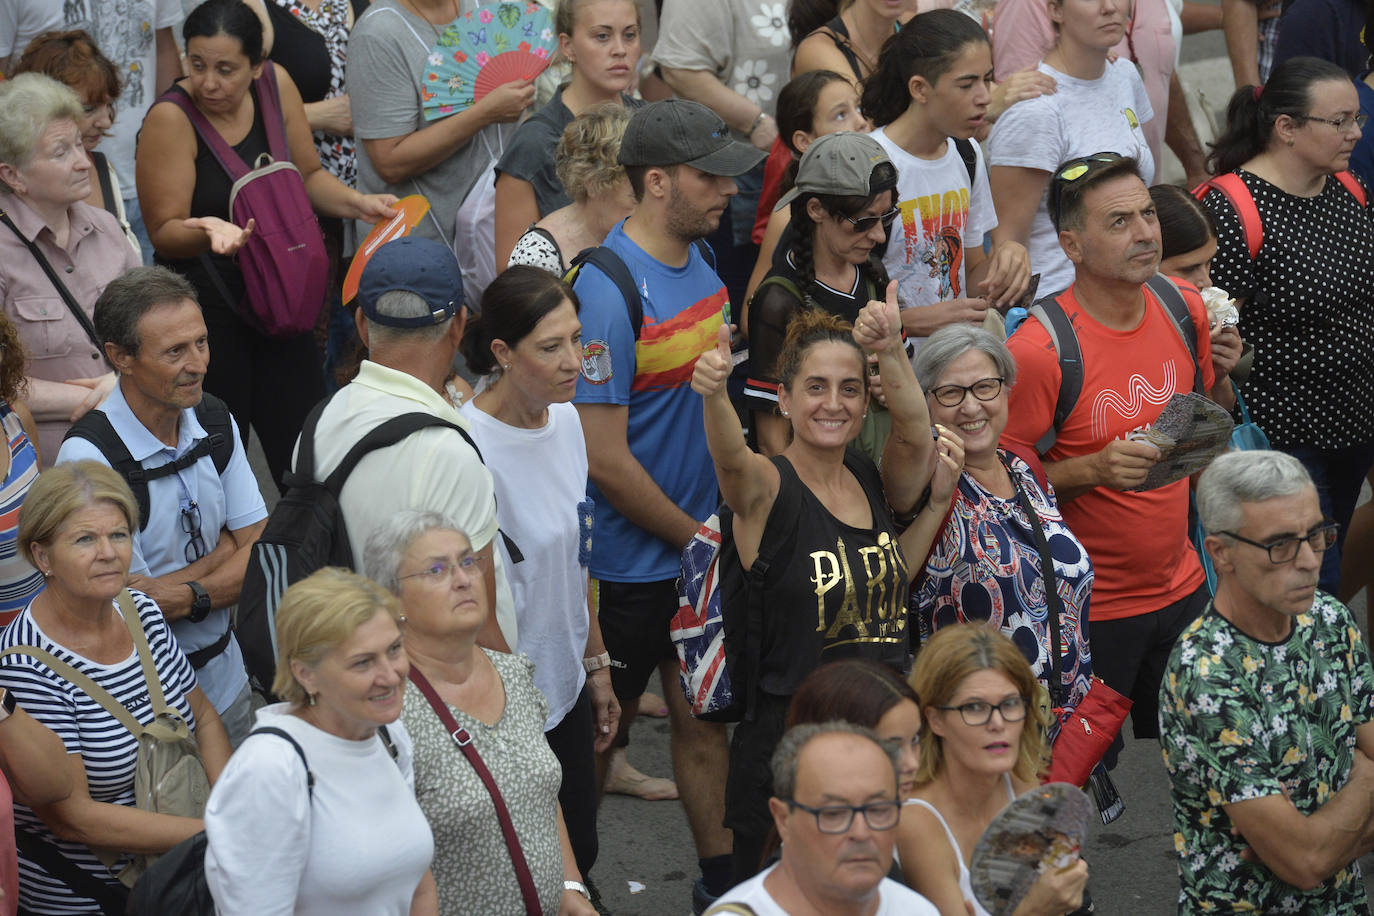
411, 317
200, 509
836, 810
1267, 708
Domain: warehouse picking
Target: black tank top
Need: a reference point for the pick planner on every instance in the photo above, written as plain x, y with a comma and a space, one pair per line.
838, 591
840, 36
210, 197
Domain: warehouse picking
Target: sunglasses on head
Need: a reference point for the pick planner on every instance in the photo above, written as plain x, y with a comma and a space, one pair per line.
1072, 171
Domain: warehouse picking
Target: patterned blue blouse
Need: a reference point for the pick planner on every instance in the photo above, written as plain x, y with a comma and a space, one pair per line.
985, 566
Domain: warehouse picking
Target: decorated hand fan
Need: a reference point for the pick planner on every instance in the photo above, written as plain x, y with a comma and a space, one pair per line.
409, 211
1042, 829
483, 49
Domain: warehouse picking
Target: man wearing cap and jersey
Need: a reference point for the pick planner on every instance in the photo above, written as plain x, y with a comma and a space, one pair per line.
411, 320
651, 476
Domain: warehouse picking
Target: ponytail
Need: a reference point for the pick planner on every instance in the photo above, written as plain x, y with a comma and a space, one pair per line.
927, 47
1252, 111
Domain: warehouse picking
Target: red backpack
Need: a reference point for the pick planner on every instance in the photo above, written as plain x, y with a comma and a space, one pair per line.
1243, 202
284, 264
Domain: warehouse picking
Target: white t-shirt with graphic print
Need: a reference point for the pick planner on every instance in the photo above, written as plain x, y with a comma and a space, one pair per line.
745, 43
1082, 117
942, 217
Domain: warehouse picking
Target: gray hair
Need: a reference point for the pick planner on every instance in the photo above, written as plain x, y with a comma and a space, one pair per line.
799, 736
28, 104
389, 541
1236, 478
402, 303
128, 298
953, 341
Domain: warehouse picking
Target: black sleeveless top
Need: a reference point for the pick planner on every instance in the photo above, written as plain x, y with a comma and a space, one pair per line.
840, 36
210, 197
835, 591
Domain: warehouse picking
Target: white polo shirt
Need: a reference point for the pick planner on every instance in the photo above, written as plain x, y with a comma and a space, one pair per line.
231, 501
431, 470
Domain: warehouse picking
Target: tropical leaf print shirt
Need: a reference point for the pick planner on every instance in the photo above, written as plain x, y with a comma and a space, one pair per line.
1243, 719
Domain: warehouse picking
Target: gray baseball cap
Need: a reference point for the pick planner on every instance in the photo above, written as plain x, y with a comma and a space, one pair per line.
837, 165
681, 132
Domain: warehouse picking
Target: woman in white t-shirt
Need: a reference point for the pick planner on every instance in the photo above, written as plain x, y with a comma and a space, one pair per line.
1098, 106
527, 339
929, 95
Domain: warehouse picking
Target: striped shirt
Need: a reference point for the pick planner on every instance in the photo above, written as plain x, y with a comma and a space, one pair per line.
19, 581
108, 750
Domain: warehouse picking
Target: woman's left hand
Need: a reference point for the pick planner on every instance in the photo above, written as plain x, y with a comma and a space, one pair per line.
879, 324
373, 208
1226, 349
574, 904
605, 709
1021, 85
1008, 275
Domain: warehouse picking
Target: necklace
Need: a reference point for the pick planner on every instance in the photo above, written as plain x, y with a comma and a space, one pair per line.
410, 5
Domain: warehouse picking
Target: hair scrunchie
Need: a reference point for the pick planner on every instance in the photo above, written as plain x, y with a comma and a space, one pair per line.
1256, 92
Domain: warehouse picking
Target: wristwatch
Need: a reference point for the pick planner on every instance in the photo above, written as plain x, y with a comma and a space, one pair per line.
200, 602
570, 885
597, 662
7, 704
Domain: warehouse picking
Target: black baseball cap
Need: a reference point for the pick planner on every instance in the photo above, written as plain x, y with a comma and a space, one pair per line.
681, 132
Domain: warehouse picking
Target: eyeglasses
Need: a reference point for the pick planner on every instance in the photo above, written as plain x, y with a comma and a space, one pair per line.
1285, 550
190, 524
442, 570
1342, 125
979, 712
865, 223
1068, 173
985, 389
882, 815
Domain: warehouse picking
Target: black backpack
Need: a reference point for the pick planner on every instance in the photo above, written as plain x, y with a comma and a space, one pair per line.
306, 532
214, 417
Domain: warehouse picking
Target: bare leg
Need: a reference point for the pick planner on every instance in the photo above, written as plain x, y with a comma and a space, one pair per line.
617, 776
701, 757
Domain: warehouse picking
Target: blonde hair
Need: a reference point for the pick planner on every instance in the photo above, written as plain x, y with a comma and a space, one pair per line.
565, 15
28, 104
585, 157
65, 489
319, 613
954, 653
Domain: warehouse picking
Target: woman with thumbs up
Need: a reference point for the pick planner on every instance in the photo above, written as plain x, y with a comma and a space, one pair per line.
815, 515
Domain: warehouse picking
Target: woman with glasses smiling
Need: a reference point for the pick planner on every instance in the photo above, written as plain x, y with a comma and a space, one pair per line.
842, 204
982, 746
456, 686
982, 546
1301, 267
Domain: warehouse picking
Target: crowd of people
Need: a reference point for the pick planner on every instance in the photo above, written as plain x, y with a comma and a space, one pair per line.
758, 261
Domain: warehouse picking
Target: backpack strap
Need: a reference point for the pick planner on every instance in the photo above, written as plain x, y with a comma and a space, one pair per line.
95, 427
609, 263
273, 119
81, 682
707, 253
970, 157
782, 282
1056, 322
1352, 184
1176, 306
224, 154
300, 752
1238, 195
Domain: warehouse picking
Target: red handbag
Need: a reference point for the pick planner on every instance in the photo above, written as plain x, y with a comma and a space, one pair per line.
1092, 726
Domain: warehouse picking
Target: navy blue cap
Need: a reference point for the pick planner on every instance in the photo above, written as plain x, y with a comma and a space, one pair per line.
416, 265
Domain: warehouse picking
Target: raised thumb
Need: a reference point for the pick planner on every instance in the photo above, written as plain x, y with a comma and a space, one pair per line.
723, 340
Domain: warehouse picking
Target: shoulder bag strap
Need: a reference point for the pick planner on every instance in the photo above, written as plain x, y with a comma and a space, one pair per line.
463, 739
273, 118
1053, 604
129, 612
81, 682
77, 312
224, 154
300, 752
111, 898
101, 167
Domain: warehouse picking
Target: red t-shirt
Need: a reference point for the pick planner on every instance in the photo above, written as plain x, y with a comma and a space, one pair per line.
774, 168
1138, 541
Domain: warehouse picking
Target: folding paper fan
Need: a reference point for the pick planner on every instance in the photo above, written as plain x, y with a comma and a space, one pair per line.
409, 211
483, 49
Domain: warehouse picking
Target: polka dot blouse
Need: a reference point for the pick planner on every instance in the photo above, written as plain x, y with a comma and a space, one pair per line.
1310, 314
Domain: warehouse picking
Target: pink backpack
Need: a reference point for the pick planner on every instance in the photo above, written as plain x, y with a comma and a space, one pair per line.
284, 264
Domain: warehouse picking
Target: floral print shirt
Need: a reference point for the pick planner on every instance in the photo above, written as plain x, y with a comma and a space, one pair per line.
745, 43
1243, 719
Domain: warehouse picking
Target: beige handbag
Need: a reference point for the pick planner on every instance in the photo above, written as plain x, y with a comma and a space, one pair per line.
169, 775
